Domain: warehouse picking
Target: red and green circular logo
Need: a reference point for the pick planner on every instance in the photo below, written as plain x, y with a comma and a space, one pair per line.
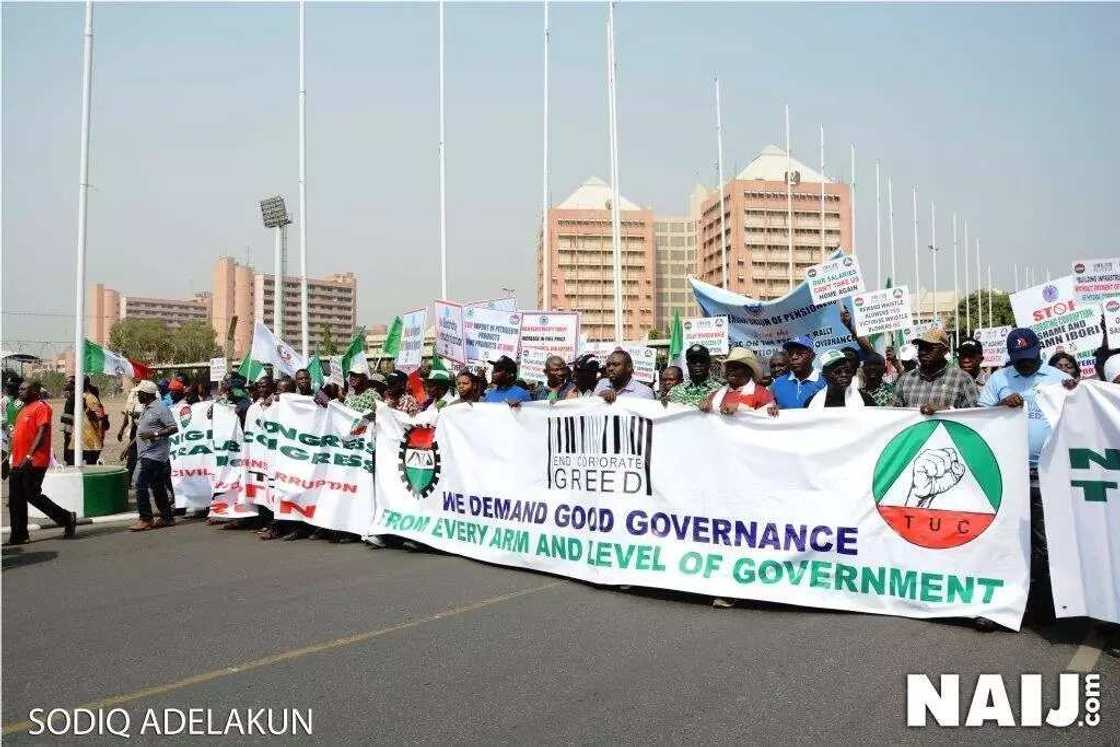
937, 484
419, 460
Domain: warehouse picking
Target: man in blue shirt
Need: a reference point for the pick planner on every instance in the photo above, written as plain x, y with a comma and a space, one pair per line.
796, 388
1016, 385
505, 387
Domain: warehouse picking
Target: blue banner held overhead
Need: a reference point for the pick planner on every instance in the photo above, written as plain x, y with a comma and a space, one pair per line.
763, 326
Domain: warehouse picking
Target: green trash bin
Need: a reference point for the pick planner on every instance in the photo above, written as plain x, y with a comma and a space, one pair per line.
105, 490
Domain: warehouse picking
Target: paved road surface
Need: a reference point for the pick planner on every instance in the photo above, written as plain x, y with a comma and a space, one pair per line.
391, 646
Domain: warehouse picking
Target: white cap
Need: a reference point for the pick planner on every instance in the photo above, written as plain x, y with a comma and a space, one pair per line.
908, 353
1112, 369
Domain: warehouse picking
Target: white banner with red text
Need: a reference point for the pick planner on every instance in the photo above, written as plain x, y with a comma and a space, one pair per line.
883, 511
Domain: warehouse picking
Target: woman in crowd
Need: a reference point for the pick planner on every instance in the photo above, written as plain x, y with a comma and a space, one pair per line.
1065, 363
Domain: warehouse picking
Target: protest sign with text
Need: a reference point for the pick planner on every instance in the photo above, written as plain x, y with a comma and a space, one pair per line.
228, 479
882, 311
709, 331
1040, 302
835, 279
994, 342
450, 342
634, 494
1076, 331
531, 365
1095, 280
414, 327
643, 357
192, 456
555, 332
490, 334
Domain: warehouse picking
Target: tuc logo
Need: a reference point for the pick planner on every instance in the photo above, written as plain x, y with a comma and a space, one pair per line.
1079, 268
419, 460
1112, 306
937, 484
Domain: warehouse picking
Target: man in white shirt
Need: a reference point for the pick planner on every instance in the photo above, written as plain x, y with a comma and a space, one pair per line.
620, 380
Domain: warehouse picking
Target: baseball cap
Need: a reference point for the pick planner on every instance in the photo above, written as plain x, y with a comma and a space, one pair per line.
801, 341
505, 363
397, 377
439, 374
970, 346
176, 385
586, 362
378, 378
832, 357
148, 387
697, 352
933, 336
1022, 344
746, 358
908, 353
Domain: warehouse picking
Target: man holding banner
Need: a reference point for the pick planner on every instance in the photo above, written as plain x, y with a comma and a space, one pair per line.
620, 381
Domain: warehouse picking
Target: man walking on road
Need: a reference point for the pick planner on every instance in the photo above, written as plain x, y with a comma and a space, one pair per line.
153, 452
31, 455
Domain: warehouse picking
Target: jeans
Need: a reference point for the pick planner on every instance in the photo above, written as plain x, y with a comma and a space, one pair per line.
26, 486
153, 478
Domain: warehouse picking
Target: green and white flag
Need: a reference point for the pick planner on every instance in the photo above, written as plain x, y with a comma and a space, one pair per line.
392, 344
676, 342
354, 359
315, 369
96, 359
250, 370
268, 348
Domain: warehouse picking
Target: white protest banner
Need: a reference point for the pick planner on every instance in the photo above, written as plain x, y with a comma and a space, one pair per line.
555, 332
192, 456
994, 342
323, 471
1040, 302
709, 331
414, 325
631, 493
227, 482
217, 369
1076, 331
1111, 309
1095, 280
763, 326
882, 311
1079, 470
643, 357
256, 457
491, 333
450, 342
498, 304
835, 279
531, 366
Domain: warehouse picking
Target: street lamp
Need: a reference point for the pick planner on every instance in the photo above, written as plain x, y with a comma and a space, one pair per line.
274, 213
934, 250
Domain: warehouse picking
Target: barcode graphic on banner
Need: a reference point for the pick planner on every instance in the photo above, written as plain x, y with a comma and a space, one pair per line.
619, 443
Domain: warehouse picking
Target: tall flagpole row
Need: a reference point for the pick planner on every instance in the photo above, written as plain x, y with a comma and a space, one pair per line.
80, 269
546, 249
305, 333
722, 208
442, 170
616, 218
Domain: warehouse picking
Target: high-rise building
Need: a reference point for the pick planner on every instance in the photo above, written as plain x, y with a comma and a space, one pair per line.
233, 297
107, 307
332, 304
581, 262
757, 231
103, 307
674, 242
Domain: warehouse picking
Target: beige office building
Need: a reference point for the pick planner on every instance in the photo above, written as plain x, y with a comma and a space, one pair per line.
674, 246
332, 304
581, 261
107, 306
757, 231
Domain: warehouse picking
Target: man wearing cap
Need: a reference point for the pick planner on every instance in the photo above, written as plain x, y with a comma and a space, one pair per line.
438, 388
670, 377
970, 357
935, 384
873, 372
700, 383
620, 381
153, 428
796, 388
743, 391
585, 376
838, 370
360, 396
505, 388
558, 380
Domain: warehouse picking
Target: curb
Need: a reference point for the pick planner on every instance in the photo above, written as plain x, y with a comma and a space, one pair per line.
111, 518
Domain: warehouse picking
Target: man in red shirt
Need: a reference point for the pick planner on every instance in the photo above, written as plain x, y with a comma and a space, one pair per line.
31, 455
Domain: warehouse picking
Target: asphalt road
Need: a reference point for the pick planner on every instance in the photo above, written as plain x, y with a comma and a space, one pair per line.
392, 646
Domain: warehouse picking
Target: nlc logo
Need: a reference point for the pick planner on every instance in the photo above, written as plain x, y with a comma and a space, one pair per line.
1095, 491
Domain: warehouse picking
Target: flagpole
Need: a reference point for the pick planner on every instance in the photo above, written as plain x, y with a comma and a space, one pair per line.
1015, 275
80, 269
878, 231
967, 285
989, 295
719, 167
890, 223
789, 200
823, 250
956, 287
546, 249
917, 262
853, 157
616, 220
303, 299
933, 251
442, 171
979, 293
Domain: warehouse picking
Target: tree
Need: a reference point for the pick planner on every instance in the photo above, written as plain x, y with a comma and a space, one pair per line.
146, 340
194, 341
326, 344
1001, 309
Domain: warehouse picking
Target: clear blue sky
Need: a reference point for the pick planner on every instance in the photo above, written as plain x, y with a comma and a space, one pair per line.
1005, 113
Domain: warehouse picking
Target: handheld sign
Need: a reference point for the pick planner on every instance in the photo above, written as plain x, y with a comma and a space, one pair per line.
532, 365
490, 334
1096, 280
833, 280
709, 331
882, 311
555, 332
412, 340
217, 369
994, 342
450, 342
644, 357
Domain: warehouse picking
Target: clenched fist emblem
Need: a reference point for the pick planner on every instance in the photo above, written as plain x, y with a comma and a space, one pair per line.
935, 472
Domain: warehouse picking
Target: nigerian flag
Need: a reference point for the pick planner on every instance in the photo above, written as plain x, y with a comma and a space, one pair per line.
250, 370
315, 370
392, 344
96, 359
676, 342
354, 359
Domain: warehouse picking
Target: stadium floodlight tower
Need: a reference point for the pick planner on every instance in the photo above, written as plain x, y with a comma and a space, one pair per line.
274, 213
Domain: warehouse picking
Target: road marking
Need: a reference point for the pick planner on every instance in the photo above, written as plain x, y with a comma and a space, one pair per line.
1086, 655
315, 648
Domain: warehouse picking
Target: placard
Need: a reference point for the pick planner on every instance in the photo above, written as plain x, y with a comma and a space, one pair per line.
1095, 280
496, 304
709, 331
490, 334
450, 342
643, 356
1042, 301
1076, 331
838, 278
994, 342
556, 332
411, 354
531, 365
882, 311
217, 369
1112, 321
